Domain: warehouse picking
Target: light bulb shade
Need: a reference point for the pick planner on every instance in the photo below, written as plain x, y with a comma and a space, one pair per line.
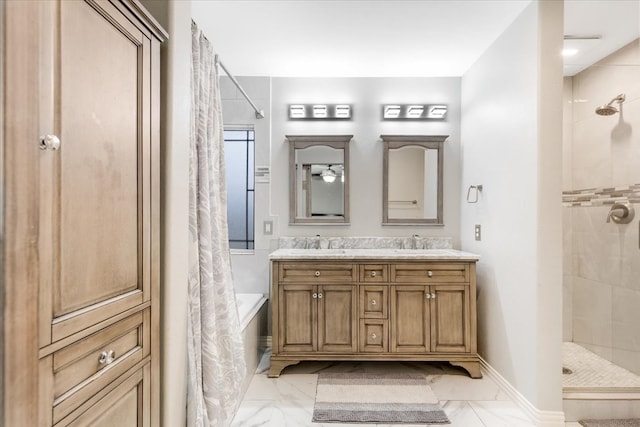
328, 175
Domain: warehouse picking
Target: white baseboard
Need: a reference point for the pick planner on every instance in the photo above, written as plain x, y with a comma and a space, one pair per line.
539, 418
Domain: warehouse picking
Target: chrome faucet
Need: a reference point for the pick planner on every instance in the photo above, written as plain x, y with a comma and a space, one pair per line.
414, 240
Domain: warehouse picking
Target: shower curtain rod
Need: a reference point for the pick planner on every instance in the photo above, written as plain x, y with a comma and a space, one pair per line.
259, 113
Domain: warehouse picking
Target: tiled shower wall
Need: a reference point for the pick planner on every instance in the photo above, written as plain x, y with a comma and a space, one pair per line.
601, 156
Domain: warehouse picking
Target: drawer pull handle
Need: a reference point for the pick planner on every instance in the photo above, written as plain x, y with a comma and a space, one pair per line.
320, 295
374, 336
315, 295
430, 273
317, 273
107, 357
433, 296
427, 295
373, 302
373, 274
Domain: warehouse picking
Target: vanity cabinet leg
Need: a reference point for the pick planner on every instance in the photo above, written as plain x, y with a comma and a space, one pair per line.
473, 368
278, 365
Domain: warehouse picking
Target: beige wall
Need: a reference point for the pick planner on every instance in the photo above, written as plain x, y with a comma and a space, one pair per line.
602, 260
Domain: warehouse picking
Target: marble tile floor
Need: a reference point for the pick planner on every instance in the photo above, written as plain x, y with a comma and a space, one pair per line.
288, 401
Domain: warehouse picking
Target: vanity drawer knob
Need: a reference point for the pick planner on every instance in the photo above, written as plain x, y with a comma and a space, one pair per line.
320, 295
433, 296
427, 295
317, 273
374, 336
315, 295
373, 274
106, 357
373, 302
430, 273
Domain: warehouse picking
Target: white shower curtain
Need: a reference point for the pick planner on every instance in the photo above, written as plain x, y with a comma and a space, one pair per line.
215, 351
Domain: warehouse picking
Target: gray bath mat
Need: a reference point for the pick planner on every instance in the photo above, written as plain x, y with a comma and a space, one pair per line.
611, 423
398, 398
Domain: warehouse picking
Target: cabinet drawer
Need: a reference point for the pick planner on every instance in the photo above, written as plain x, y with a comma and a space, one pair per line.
81, 369
317, 273
374, 335
374, 301
429, 273
374, 273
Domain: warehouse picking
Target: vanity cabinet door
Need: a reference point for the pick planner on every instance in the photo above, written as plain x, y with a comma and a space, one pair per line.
317, 318
298, 311
410, 319
450, 322
337, 318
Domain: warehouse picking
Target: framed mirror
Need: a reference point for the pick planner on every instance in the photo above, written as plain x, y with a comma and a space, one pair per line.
412, 184
319, 179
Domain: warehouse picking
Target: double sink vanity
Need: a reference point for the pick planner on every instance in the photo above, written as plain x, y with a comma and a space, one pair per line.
371, 298
373, 304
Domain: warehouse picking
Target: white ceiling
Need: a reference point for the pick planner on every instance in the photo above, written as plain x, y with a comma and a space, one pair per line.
390, 38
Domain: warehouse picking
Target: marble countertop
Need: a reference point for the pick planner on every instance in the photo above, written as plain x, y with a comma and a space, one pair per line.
390, 254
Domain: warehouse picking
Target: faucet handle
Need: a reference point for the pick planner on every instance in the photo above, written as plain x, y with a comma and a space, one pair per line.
625, 217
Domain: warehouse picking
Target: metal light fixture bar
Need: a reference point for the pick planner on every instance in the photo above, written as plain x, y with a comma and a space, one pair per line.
319, 111
414, 111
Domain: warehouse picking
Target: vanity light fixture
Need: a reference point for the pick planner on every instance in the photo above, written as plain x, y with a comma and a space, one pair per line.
319, 111
297, 112
392, 111
328, 175
414, 111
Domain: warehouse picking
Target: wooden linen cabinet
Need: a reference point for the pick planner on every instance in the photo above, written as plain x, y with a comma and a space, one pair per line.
91, 161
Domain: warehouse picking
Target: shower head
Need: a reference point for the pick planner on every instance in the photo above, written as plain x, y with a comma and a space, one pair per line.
608, 109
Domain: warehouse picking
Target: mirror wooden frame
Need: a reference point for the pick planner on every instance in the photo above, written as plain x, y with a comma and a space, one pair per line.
340, 142
398, 141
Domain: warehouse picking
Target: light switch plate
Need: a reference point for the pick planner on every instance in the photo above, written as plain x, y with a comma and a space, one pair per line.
267, 228
478, 232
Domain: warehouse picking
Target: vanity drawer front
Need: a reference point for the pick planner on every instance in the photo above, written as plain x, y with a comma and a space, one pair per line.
430, 273
374, 335
82, 369
374, 273
374, 302
314, 272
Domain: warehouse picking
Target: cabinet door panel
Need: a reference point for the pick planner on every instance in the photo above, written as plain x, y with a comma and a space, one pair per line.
125, 405
337, 316
298, 313
410, 316
95, 259
450, 323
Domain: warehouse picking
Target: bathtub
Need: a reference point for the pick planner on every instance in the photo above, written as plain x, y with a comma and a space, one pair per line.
252, 311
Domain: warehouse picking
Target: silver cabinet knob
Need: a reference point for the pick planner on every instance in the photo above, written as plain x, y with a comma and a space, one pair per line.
374, 336
106, 357
317, 273
315, 295
49, 142
427, 295
373, 274
373, 302
433, 296
320, 295
430, 273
